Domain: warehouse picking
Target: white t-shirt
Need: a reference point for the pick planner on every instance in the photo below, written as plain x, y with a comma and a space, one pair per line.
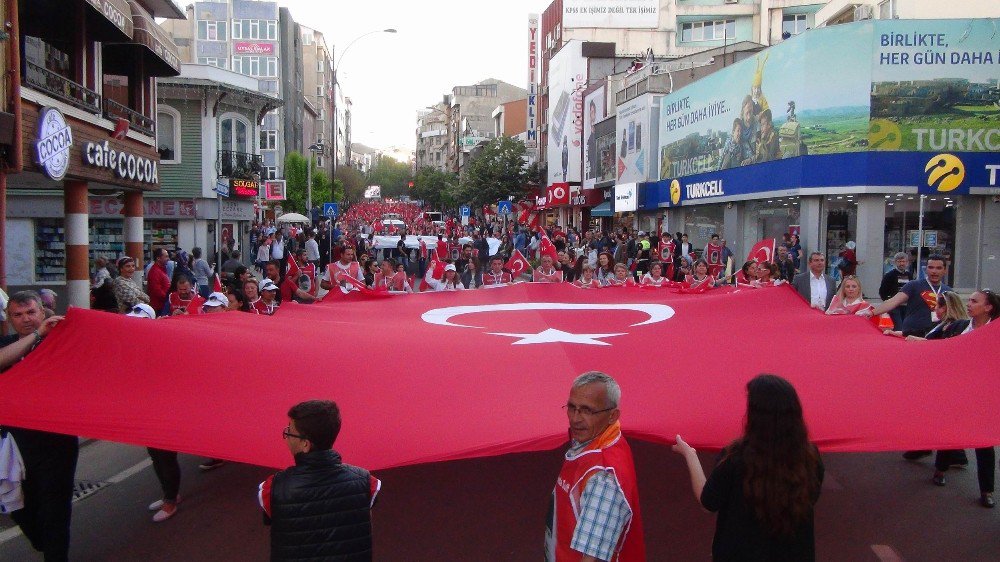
278, 249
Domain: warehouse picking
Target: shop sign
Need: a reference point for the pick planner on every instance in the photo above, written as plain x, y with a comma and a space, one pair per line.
244, 188
125, 165
52, 147
151, 208
274, 190
626, 197
558, 194
531, 129
250, 48
702, 189
236, 210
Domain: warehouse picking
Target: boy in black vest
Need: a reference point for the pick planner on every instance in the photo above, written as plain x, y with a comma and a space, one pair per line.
320, 508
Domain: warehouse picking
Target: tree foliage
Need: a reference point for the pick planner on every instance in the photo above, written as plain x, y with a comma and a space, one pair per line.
352, 183
435, 188
296, 174
393, 177
498, 172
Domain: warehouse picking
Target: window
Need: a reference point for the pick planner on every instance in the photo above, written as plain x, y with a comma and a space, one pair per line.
321, 65
887, 10
269, 140
708, 30
793, 24
256, 66
212, 61
272, 67
233, 135
270, 173
168, 135
307, 38
255, 29
319, 90
319, 160
269, 86
209, 30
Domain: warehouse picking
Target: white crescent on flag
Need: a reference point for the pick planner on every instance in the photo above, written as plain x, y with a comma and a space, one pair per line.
442, 316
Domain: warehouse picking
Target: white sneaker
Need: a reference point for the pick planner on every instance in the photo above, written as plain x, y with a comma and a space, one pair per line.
166, 512
155, 506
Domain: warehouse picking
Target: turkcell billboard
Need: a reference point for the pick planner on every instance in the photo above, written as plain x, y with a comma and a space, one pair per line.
921, 85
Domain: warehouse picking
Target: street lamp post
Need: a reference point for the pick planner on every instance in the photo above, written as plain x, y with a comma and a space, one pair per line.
336, 67
313, 149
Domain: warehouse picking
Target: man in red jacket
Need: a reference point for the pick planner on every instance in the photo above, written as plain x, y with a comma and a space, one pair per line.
595, 503
157, 280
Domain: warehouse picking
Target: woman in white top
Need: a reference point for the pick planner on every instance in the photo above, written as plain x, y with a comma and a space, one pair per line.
450, 281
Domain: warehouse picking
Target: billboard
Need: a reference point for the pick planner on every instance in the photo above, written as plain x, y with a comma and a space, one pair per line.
567, 80
613, 14
593, 111
635, 155
531, 128
926, 85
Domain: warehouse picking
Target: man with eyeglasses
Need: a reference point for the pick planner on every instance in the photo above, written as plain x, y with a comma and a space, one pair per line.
319, 509
595, 504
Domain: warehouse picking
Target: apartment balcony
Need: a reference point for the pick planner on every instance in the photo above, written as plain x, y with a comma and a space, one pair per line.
137, 121
61, 88
240, 165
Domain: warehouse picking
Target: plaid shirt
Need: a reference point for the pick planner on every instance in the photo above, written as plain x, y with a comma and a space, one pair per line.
128, 294
604, 512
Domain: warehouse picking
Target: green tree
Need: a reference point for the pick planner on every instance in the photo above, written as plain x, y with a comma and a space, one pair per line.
435, 188
498, 172
296, 173
393, 177
351, 184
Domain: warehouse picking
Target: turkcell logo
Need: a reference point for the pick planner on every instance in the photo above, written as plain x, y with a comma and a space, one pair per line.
52, 146
945, 172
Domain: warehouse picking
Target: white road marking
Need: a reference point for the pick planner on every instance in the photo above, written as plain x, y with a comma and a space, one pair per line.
886, 553
15, 532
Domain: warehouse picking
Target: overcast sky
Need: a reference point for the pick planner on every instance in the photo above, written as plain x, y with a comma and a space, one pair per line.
440, 44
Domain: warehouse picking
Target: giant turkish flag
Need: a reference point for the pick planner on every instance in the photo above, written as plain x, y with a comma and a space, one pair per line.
219, 385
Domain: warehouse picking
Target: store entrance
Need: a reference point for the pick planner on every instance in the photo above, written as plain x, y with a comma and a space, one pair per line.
902, 234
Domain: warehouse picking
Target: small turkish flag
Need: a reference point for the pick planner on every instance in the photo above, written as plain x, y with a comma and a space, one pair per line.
762, 251
217, 287
547, 248
436, 266
517, 264
423, 249
293, 268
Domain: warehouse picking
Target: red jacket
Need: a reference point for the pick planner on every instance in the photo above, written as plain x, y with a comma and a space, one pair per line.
159, 285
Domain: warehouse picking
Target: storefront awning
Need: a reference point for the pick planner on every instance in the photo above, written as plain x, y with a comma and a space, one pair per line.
602, 210
162, 52
115, 16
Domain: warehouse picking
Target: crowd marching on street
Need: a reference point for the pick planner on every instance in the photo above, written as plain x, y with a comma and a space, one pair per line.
595, 509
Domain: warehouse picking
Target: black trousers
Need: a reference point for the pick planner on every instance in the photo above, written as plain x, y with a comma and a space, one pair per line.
168, 471
986, 460
50, 466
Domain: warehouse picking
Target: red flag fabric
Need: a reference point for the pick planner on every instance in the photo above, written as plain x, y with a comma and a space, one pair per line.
436, 266
292, 270
217, 285
517, 264
885, 394
423, 249
547, 248
762, 251
666, 250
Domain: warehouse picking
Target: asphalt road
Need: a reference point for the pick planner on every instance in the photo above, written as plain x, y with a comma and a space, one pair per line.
873, 507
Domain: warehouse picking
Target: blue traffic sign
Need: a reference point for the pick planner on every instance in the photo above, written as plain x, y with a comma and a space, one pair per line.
505, 207
330, 210
465, 211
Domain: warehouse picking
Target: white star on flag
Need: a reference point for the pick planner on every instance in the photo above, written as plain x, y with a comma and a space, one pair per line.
557, 336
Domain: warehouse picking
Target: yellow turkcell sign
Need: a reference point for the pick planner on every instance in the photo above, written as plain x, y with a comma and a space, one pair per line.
884, 135
675, 192
945, 172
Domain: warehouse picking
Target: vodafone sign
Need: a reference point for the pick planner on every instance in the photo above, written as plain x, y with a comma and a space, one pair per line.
557, 194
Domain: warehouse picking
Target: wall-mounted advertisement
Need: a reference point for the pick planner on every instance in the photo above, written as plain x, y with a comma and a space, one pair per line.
593, 111
531, 128
635, 156
567, 80
615, 14
924, 85
606, 157
935, 85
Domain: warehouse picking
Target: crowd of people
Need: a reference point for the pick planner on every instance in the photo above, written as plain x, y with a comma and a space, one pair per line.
595, 505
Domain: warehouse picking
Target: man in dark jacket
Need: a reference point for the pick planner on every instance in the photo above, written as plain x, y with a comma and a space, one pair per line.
892, 283
319, 509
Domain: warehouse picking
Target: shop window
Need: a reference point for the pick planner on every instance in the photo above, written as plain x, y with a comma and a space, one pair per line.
168, 135
159, 234
106, 239
50, 251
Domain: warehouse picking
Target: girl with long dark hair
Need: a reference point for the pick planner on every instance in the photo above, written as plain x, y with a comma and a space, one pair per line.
765, 483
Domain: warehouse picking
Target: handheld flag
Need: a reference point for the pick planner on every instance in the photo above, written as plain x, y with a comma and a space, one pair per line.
517, 264
762, 251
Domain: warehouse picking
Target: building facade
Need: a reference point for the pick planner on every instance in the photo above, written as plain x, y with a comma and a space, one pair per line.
246, 36
317, 67
208, 120
432, 137
84, 95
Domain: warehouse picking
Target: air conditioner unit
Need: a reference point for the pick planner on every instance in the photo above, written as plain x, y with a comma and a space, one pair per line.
863, 12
